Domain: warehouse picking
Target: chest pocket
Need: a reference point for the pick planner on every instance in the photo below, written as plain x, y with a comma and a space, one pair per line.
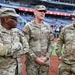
46, 32
35, 33
69, 35
15, 37
6, 38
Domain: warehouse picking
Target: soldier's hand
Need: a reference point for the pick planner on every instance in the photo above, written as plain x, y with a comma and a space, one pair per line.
5, 50
39, 61
59, 58
44, 58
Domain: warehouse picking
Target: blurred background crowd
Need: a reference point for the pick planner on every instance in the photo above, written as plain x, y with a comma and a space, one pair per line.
58, 12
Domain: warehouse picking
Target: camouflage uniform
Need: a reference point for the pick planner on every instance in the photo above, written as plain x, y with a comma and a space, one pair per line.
67, 37
40, 40
12, 45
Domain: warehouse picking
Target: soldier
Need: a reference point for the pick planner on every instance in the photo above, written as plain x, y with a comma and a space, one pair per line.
67, 38
13, 43
40, 38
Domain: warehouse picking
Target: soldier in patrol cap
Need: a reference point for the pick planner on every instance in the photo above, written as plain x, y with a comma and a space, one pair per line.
13, 43
40, 38
67, 38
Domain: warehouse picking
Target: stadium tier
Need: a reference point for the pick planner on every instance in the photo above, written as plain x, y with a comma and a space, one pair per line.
54, 22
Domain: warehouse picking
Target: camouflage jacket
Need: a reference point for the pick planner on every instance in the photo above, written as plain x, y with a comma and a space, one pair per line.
67, 38
12, 44
40, 39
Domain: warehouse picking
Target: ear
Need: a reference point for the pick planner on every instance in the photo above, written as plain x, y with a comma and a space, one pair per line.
6, 20
34, 12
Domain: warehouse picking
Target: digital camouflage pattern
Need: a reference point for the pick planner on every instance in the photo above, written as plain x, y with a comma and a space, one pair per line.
40, 7
40, 40
67, 38
12, 45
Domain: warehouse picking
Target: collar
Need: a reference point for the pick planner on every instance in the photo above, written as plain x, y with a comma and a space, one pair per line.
37, 25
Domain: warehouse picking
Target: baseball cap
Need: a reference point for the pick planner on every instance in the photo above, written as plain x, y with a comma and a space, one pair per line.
73, 14
40, 7
8, 12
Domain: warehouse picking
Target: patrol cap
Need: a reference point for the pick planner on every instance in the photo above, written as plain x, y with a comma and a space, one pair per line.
40, 7
8, 12
73, 14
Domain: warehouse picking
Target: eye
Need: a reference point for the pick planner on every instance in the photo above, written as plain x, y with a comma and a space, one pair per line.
73, 16
14, 18
42, 11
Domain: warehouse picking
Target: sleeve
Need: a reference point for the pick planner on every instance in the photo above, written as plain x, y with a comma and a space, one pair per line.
26, 31
25, 45
24, 51
5, 49
21, 47
60, 43
50, 43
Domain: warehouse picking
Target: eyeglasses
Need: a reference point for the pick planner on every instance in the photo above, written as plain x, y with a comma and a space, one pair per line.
14, 18
42, 10
73, 16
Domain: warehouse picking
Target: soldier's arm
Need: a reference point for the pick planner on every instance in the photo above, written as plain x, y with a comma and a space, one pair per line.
24, 43
50, 43
60, 43
21, 49
26, 31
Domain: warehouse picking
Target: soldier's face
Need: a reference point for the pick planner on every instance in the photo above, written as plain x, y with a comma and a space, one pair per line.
11, 21
73, 19
39, 14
